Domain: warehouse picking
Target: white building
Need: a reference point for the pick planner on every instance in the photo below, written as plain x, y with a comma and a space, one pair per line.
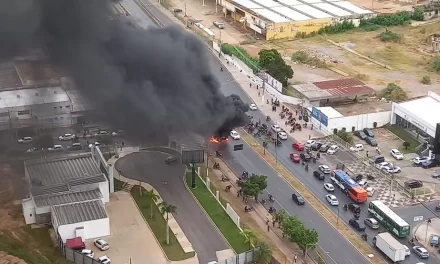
69, 193
419, 116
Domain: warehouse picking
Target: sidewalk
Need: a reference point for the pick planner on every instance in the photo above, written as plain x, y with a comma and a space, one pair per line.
423, 233
283, 250
260, 99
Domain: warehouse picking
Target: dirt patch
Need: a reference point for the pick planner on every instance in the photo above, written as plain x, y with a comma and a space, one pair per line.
363, 247
8, 259
384, 7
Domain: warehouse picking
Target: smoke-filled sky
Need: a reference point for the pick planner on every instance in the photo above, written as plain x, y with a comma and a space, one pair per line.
152, 83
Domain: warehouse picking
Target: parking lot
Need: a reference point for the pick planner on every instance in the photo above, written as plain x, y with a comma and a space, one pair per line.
130, 238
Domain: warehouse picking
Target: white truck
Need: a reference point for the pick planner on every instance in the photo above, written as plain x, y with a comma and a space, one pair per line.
392, 248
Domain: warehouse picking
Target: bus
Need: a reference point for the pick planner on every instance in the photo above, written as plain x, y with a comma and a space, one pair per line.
389, 219
349, 186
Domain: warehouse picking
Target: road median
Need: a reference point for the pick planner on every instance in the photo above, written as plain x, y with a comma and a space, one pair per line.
345, 230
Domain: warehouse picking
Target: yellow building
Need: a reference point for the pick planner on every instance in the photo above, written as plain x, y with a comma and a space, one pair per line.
278, 19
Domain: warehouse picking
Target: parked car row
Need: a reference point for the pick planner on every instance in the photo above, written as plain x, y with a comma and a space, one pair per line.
101, 245
367, 135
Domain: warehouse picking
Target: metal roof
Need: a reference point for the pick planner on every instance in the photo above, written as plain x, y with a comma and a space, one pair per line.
341, 87
27, 97
333, 9
290, 13
79, 212
311, 11
65, 198
353, 8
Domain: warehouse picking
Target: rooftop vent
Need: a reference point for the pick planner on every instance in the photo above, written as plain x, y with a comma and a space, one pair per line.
18, 96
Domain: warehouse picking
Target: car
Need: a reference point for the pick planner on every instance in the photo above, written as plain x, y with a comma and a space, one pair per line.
104, 260
396, 154
332, 150
357, 224
413, 184
89, 253
317, 145
234, 135
357, 177
384, 164
101, 244
370, 191
219, 24
276, 128
420, 160
25, 140
305, 157
329, 187
119, 133
298, 199
76, 146
430, 163
298, 146
394, 169
324, 148
295, 157
102, 133
436, 174
354, 208
57, 148
66, 137
360, 134
253, 107
96, 144
171, 160
377, 159
434, 241
325, 169
371, 141
363, 183
369, 132
357, 148
332, 199
319, 175
177, 10
282, 135
372, 223
421, 252
407, 251
309, 143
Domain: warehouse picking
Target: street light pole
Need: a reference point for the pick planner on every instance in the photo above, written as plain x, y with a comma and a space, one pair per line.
426, 233
337, 220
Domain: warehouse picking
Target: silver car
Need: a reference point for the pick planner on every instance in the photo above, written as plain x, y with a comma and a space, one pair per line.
372, 223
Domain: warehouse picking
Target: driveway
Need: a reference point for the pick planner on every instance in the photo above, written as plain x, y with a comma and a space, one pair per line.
150, 167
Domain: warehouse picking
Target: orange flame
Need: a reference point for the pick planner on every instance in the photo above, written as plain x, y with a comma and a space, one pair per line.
217, 139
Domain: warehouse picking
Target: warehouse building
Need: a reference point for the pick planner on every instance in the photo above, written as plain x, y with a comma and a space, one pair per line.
277, 19
69, 193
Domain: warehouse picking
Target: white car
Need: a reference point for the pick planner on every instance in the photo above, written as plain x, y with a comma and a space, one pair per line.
420, 160
102, 133
101, 244
370, 191
96, 144
325, 169
329, 187
384, 165
282, 135
25, 140
276, 128
332, 199
309, 143
66, 137
407, 251
357, 148
253, 107
104, 260
397, 154
394, 169
363, 183
234, 135
332, 150
118, 133
89, 253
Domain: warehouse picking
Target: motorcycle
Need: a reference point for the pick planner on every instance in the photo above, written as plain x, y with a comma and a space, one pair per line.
271, 199
267, 118
364, 237
307, 167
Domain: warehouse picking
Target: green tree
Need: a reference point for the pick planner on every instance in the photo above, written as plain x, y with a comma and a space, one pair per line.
307, 238
406, 144
345, 136
393, 92
280, 216
167, 209
426, 79
254, 185
153, 198
435, 63
263, 252
273, 63
44, 141
291, 226
250, 236
418, 13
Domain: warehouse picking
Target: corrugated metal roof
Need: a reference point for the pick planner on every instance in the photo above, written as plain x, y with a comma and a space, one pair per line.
79, 212
62, 170
25, 97
87, 180
65, 198
42, 190
341, 87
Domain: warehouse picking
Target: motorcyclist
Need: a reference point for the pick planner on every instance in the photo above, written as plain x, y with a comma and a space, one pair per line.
307, 167
345, 207
221, 68
378, 150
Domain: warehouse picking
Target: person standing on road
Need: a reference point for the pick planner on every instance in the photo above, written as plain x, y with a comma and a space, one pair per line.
295, 258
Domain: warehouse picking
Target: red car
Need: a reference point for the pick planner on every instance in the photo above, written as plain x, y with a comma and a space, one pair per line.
295, 157
298, 146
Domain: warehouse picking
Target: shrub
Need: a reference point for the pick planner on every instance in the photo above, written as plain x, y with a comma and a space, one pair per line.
396, 19
370, 27
418, 13
426, 79
406, 144
394, 93
353, 129
241, 54
304, 58
338, 27
435, 64
335, 131
345, 136
389, 36
374, 124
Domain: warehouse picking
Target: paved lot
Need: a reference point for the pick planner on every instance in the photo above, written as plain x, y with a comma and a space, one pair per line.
150, 167
130, 235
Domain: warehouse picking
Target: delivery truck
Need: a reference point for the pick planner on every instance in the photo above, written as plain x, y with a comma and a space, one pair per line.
392, 248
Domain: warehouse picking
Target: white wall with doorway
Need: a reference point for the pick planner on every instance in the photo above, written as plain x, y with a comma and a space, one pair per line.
92, 229
359, 122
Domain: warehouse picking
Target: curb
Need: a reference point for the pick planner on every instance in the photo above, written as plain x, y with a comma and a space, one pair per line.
203, 210
315, 207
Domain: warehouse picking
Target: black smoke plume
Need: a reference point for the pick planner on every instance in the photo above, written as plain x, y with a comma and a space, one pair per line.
153, 82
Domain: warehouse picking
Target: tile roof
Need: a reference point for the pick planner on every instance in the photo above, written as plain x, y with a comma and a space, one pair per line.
348, 87
79, 212
66, 198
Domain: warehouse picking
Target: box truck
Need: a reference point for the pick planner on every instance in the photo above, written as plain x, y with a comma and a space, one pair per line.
392, 248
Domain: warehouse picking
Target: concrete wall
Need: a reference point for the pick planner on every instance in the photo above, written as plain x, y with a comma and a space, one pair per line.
92, 229
29, 213
290, 29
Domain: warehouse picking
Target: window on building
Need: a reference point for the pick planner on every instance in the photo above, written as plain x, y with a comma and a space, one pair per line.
67, 106
24, 112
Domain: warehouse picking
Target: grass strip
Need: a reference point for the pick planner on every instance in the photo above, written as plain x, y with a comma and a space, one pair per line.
220, 218
405, 136
174, 250
358, 243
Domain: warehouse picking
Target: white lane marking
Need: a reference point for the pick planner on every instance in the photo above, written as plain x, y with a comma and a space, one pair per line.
312, 222
331, 241
350, 261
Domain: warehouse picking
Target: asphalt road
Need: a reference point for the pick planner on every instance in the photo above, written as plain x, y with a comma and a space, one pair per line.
167, 180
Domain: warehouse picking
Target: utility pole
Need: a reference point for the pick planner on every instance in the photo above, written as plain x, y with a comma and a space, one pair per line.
185, 8
426, 233
216, 4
